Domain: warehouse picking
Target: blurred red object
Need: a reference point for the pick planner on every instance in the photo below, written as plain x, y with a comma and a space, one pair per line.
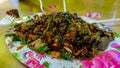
52, 6
93, 15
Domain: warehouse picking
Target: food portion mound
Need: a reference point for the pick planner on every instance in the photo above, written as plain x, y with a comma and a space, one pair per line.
64, 35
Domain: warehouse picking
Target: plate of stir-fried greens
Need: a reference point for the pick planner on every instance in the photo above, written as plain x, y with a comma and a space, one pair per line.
59, 40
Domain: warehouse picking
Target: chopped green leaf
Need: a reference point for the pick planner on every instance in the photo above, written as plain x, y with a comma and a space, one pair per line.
29, 24
28, 17
23, 42
118, 49
104, 28
48, 52
66, 56
79, 21
70, 25
43, 48
116, 35
16, 38
16, 55
10, 32
46, 64
54, 35
14, 24
80, 66
98, 34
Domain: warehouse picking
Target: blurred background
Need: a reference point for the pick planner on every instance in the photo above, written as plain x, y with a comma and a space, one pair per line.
106, 8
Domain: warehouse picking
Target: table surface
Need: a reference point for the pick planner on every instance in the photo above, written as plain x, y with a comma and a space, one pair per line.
107, 8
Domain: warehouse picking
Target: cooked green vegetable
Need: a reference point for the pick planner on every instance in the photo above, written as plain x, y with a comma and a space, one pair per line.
16, 38
46, 64
44, 48
66, 56
23, 42
10, 32
116, 35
